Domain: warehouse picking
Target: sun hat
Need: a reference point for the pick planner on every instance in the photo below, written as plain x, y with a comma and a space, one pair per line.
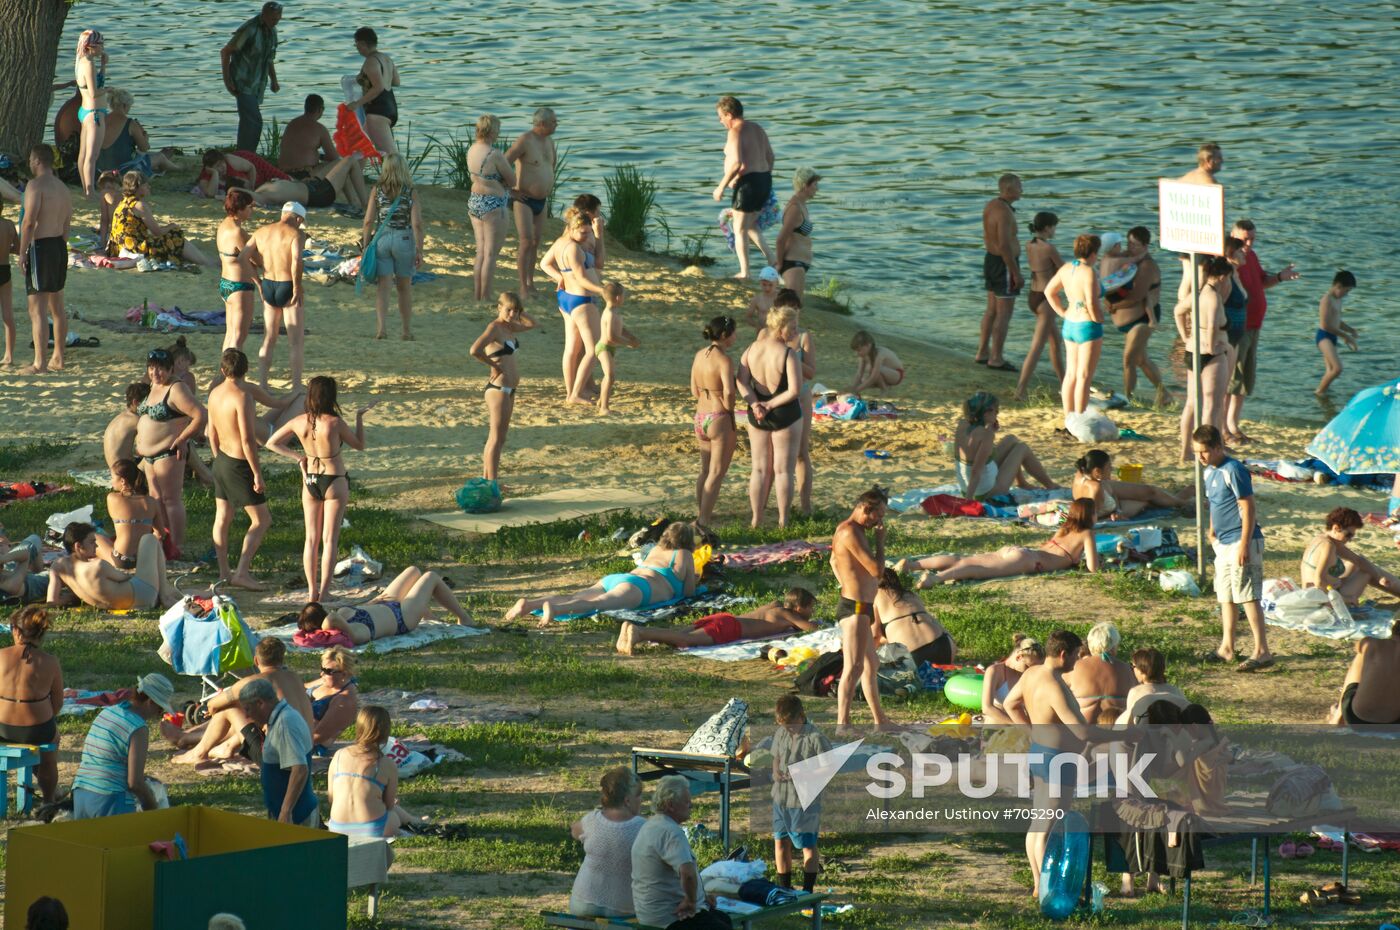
291, 206
159, 689
769, 274
1108, 240
804, 176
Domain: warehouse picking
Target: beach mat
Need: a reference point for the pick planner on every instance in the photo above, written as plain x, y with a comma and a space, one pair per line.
551, 507
701, 600
429, 631
822, 641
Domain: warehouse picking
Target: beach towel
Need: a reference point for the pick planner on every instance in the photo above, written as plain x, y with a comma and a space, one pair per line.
820, 641
795, 550
950, 505
76, 701
914, 498
1366, 620
429, 631
701, 600
340, 595
11, 491
551, 507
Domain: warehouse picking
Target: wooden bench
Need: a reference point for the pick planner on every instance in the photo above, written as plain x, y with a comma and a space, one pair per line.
742, 921
367, 862
20, 758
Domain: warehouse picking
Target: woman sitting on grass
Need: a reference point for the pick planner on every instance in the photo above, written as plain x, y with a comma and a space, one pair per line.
1074, 540
1002, 676
1123, 500
1329, 562
405, 603
134, 514
1100, 681
666, 575
363, 784
904, 619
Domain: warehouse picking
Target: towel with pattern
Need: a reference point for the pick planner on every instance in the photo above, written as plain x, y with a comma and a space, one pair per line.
795, 550
822, 641
429, 631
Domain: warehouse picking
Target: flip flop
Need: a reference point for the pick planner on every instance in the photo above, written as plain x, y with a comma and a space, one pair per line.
980, 361
1215, 658
1253, 665
1004, 366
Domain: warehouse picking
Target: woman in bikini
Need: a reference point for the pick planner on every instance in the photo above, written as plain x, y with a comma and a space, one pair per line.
235, 277
985, 465
495, 348
769, 380
363, 784
1100, 681
166, 421
576, 281
1078, 284
90, 76
712, 386
793, 251
801, 346
1001, 676
325, 487
666, 575
334, 698
134, 514
489, 202
406, 602
1214, 348
31, 693
1330, 562
904, 619
1121, 500
1044, 260
379, 76
1073, 541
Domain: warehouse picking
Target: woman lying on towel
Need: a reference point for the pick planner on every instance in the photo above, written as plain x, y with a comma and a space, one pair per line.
1120, 500
666, 575
404, 604
792, 613
1074, 540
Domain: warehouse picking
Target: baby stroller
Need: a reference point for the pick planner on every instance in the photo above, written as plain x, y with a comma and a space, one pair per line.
206, 637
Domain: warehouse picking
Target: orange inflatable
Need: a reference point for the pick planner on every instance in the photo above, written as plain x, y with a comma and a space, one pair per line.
350, 136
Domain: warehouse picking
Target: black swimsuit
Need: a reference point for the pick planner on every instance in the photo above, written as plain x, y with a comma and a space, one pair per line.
385, 104
778, 417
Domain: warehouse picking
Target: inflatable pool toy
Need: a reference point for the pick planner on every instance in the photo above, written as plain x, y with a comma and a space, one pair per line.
964, 690
1063, 869
349, 136
1114, 285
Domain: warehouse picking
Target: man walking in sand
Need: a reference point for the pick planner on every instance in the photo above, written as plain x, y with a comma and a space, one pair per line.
248, 67
533, 156
238, 479
858, 571
43, 254
1209, 158
1001, 271
309, 152
274, 252
1256, 281
748, 168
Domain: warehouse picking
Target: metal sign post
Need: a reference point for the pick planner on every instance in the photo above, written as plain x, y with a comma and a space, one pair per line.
1193, 221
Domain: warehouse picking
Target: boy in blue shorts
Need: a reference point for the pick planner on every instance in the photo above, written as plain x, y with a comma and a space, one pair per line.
795, 740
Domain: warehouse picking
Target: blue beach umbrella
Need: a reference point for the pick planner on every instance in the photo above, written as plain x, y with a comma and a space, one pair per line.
1364, 439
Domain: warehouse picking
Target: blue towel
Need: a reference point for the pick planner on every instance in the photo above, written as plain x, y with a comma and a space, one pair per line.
195, 643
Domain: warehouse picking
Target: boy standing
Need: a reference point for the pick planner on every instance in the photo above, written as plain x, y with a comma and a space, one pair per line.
614, 336
794, 826
1330, 328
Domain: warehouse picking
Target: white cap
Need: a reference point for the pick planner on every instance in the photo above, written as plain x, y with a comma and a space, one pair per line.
769, 274
159, 689
1108, 240
291, 206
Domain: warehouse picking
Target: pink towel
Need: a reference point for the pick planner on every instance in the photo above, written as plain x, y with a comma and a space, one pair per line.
321, 639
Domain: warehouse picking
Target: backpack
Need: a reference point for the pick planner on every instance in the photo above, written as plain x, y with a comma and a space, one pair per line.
820, 676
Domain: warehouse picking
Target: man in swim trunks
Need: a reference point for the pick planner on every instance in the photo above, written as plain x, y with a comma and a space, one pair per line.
43, 255
533, 156
248, 67
101, 584
858, 571
1001, 272
309, 152
238, 479
275, 253
748, 168
794, 612
1256, 281
1369, 695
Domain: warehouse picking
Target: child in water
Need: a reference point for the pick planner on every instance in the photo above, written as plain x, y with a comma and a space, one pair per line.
1330, 328
878, 367
762, 301
614, 335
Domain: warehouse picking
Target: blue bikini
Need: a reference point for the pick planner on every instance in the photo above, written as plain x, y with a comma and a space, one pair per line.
1080, 331
568, 303
371, 828
362, 616
667, 572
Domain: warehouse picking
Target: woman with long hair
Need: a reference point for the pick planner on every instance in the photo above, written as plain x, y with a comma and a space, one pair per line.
363, 783
1078, 283
576, 281
166, 421
235, 277
134, 513
1214, 355
325, 487
1044, 260
905, 619
987, 466
769, 380
489, 202
495, 348
712, 386
399, 249
1073, 541
90, 75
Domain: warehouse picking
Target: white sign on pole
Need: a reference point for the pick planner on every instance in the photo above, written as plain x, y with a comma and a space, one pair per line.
1193, 217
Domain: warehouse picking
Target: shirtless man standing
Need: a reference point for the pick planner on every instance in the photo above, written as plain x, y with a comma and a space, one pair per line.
1208, 161
119, 438
1001, 270
1369, 695
275, 255
1043, 699
308, 151
533, 156
748, 168
43, 254
793, 613
858, 573
238, 479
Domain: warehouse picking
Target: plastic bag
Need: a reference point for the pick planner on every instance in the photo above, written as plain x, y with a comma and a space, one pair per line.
58, 522
1091, 426
479, 495
1179, 580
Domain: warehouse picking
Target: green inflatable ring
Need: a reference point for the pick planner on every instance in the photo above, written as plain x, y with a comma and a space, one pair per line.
964, 690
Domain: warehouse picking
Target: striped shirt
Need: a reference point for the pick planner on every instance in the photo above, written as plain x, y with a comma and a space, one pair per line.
104, 763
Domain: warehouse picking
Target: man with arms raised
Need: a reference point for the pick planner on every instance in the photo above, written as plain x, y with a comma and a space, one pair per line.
238, 479
748, 168
1001, 271
858, 571
43, 254
275, 253
533, 157
308, 152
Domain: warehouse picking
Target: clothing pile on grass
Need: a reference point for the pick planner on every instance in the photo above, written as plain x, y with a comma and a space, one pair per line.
1315, 470
1321, 612
848, 407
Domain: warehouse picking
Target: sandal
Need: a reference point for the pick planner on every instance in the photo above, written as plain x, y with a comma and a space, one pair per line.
1254, 665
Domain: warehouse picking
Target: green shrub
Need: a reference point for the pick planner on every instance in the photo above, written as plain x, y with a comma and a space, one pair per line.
631, 199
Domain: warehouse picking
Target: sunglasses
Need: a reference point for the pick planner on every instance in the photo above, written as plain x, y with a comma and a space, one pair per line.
158, 355
331, 671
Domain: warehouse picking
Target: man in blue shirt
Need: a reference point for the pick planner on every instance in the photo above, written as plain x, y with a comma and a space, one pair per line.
286, 754
1238, 544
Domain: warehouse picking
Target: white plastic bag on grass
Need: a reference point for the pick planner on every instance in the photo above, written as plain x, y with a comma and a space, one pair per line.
58, 522
1177, 579
1091, 426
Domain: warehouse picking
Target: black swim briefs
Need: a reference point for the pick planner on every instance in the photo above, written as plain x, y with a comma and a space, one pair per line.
319, 192
48, 266
997, 276
938, 652
751, 191
276, 293
849, 608
233, 482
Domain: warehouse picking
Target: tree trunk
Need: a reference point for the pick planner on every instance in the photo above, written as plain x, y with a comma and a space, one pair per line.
29, 34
